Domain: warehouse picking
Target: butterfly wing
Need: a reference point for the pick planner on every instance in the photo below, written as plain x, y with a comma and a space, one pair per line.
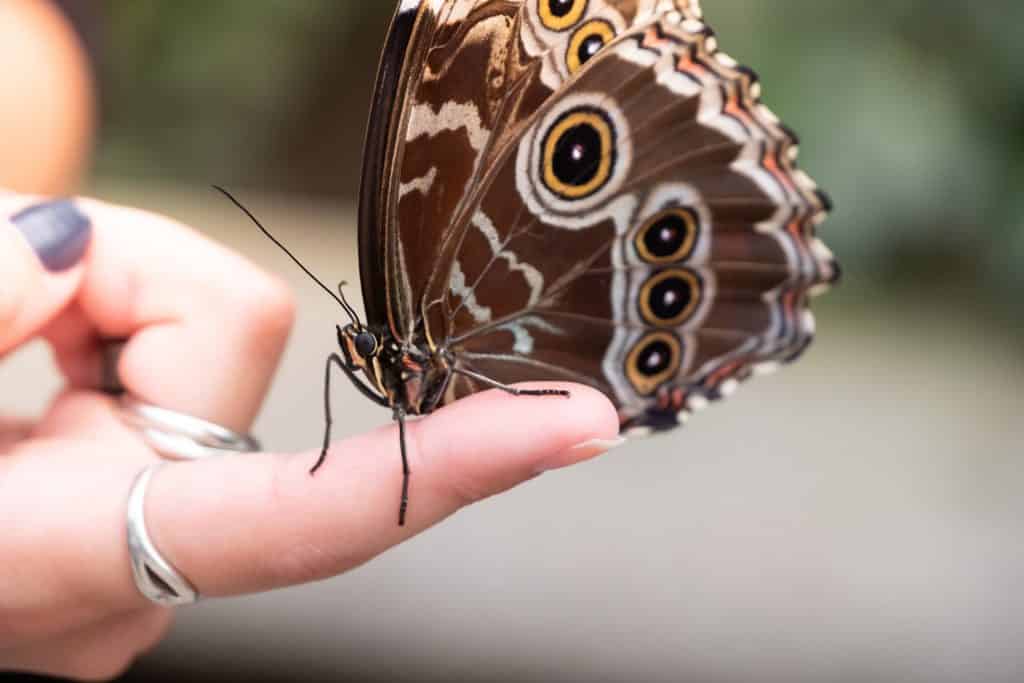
458, 79
614, 207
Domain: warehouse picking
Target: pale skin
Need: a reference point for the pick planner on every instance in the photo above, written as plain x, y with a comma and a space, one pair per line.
205, 330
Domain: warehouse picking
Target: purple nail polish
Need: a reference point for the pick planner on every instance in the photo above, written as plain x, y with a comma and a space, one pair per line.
57, 231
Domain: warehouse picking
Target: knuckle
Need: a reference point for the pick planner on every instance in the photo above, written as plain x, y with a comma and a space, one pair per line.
466, 489
303, 562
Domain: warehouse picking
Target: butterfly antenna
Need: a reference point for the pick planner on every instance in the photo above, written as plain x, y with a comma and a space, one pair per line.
340, 300
348, 307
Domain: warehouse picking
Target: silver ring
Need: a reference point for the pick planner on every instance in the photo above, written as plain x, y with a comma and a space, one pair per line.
177, 436
155, 577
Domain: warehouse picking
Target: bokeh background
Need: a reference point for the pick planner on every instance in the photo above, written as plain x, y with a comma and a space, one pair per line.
856, 518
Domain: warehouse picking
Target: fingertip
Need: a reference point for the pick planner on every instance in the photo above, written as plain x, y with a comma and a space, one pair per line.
588, 415
31, 293
19, 274
594, 429
58, 232
597, 412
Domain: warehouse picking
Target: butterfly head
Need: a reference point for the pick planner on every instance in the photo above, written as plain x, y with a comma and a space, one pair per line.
359, 345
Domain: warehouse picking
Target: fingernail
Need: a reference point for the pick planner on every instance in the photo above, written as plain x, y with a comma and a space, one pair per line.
582, 452
598, 446
57, 231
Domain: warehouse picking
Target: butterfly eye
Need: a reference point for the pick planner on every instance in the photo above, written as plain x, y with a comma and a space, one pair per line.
587, 42
669, 237
579, 154
654, 361
670, 298
560, 15
366, 344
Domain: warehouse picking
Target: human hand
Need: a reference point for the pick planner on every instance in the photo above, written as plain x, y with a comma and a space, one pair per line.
204, 330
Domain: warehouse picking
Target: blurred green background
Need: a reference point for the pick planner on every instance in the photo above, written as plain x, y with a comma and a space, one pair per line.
857, 518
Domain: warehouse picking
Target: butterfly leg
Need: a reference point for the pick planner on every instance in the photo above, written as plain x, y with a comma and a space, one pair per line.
487, 381
404, 505
333, 360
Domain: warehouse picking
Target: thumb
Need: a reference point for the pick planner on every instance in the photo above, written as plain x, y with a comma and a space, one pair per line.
41, 247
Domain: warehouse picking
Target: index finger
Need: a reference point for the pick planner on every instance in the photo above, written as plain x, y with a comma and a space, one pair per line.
283, 526
235, 525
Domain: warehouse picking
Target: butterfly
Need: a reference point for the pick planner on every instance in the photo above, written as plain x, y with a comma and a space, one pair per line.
576, 190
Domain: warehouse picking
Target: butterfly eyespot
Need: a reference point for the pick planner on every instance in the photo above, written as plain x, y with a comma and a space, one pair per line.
579, 154
560, 15
587, 42
669, 237
670, 298
653, 361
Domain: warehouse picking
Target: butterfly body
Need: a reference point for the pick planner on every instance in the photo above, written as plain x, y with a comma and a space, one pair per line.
404, 375
580, 191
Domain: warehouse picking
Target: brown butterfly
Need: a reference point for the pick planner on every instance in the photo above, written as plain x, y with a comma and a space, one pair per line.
577, 190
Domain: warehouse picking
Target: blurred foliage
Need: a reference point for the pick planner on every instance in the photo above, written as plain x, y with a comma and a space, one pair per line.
229, 91
911, 114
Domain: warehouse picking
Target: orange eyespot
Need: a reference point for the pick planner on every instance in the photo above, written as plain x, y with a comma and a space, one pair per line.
579, 154
561, 15
587, 42
654, 361
668, 237
669, 298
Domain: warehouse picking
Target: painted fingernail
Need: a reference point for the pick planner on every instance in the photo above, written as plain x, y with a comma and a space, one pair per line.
582, 452
58, 232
